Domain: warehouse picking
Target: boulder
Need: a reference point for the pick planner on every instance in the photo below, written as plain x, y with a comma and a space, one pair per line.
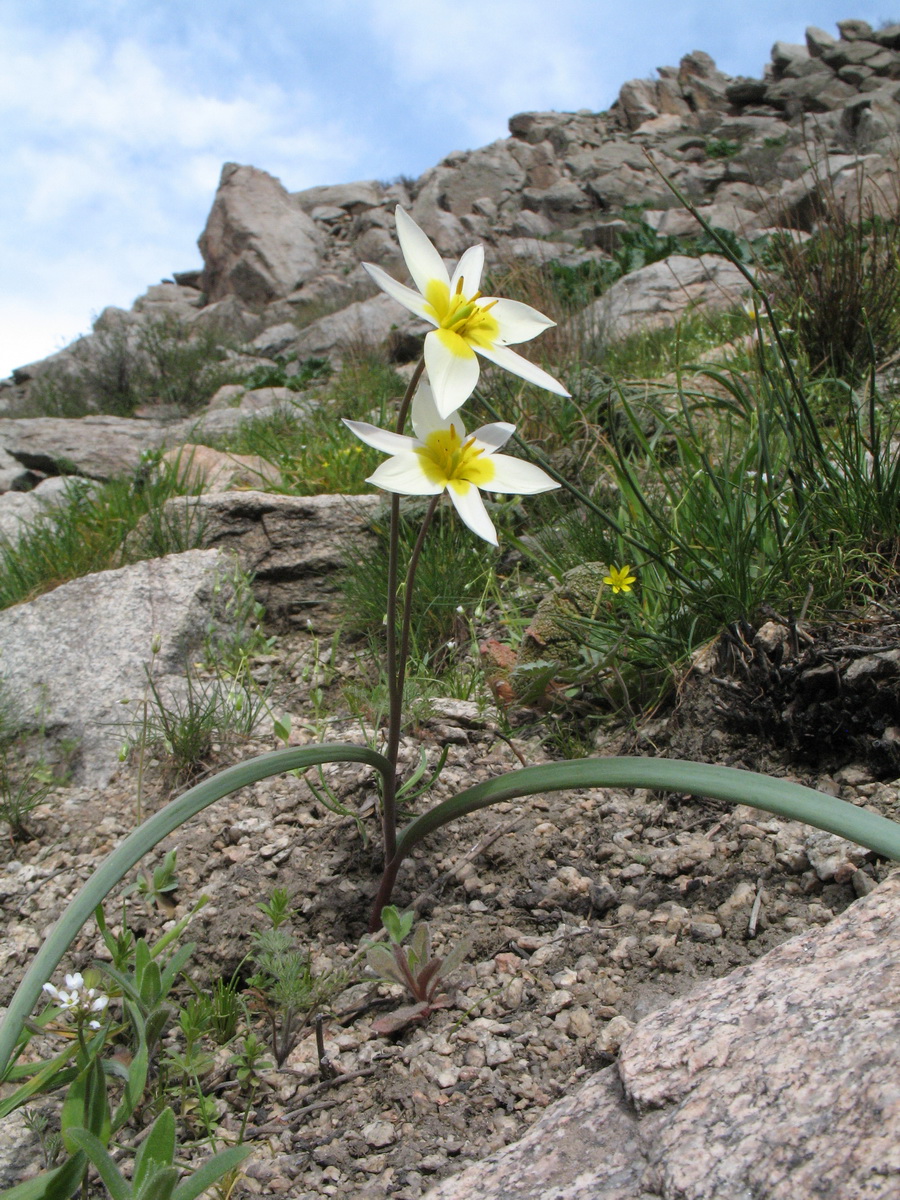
661, 293
18, 510
258, 243
365, 323
292, 545
778, 1081
638, 102
492, 172
276, 340
169, 299
228, 318
350, 198
99, 447
818, 40
201, 467
702, 84
70, 658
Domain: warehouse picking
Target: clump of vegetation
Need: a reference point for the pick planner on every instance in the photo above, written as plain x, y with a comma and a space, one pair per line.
90, 532
424, 975
839, 288
124, 366
289, 990
310, 370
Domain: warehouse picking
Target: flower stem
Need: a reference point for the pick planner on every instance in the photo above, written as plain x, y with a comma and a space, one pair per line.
395, 668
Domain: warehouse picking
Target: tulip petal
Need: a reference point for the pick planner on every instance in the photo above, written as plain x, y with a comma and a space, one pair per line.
404, 474
421, 257
491, 437
401, 293
518, 322
469, 269
452, 368
468, 503
380, 439
426, 419
510, 361
514, 477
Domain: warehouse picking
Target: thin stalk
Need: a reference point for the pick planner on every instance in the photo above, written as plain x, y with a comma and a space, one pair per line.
398, 679
392, 662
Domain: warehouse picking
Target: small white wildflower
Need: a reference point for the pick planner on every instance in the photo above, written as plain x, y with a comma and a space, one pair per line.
77, 998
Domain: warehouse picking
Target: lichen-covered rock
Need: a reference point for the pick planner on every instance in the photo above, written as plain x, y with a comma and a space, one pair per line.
778, 1081
70, 658
550, 637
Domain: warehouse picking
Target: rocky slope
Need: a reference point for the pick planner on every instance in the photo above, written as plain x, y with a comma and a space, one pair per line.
593, 910
282, 270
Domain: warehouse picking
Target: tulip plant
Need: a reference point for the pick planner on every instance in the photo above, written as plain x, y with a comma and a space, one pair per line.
441, 457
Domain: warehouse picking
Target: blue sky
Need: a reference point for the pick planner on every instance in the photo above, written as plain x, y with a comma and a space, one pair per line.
116, 115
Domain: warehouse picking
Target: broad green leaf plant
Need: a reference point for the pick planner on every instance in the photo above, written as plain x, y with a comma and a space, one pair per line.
439, 457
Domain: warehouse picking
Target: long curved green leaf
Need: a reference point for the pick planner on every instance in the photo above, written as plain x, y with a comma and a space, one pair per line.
777, 796
119, 861
57, 1184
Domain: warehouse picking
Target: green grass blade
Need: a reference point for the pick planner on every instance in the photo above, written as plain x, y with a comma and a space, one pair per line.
790, 800
142, 840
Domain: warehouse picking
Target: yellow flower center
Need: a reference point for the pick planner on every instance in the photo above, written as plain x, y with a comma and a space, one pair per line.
449, 461
462, 315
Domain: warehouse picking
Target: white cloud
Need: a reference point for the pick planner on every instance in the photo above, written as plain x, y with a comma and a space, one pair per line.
108, 158
482, 62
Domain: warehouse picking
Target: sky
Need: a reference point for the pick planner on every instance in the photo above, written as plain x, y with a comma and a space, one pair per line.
117, 115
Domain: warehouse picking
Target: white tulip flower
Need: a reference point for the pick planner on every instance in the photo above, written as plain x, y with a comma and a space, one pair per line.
442, 458
467, 323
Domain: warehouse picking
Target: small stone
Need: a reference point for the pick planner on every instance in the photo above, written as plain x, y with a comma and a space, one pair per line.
557, 1000
581, 1024
614, 1034
379, 1133
706, 931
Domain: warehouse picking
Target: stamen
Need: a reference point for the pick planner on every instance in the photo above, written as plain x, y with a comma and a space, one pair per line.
459, 286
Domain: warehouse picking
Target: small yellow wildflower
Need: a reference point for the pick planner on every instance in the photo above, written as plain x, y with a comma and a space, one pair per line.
620, 579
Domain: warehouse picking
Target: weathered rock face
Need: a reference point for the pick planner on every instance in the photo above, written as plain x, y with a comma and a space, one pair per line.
97, 447
293, 545
659, 294
780, 1080
19, 510
71, 657
740, 149
258, 244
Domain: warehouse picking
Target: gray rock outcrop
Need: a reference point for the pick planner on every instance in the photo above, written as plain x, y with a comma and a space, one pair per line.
71, 657
659, 294
282, 270
258, 243
292, 545
96, 447
778, 1081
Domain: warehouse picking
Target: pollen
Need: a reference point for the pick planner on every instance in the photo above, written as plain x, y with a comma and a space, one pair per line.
447, 460
462, 315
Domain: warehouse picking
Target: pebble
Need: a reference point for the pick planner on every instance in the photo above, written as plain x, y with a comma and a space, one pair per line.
706, 931
379, 1133
614, 1034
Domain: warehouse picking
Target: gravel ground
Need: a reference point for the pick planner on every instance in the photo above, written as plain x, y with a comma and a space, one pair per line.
585, 911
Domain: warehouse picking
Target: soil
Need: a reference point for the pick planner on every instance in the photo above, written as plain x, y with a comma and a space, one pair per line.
585, 910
